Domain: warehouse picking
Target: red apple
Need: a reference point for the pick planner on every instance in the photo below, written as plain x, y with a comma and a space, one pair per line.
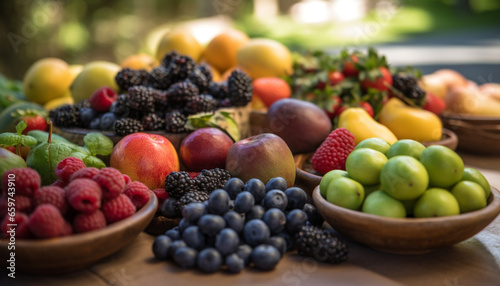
147, 158
263, 156
205, 148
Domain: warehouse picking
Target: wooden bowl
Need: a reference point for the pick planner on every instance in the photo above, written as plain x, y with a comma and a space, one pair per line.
476, 134
307, 179
407, 235
78, 251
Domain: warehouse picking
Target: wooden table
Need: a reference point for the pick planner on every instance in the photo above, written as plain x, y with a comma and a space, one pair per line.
475, 261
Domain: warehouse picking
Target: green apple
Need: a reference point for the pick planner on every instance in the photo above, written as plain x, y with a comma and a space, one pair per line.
404, 178
470, 196
444, 166
374, 143
94, 76
406, 147
380, 203
329, 177
345, 192
436, 202
471, 174
364, 165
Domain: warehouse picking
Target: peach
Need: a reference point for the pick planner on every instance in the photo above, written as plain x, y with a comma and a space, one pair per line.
147, 158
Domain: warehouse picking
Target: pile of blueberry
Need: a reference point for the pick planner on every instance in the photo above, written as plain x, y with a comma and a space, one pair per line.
243, 224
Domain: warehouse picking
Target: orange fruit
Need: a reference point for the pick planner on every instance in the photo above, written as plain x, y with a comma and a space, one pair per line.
181, 41
221, 51
139, 62
271, 89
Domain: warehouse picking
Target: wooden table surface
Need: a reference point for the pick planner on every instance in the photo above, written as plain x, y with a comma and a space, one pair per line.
475, 261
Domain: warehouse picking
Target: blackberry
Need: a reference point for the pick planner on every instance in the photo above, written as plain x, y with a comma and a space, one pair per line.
239, 86
141, 99
158, 78
67, 116
168, 58
209, 180
160, 100
153, 121
218, 90
180, 92
408, 86
200, 103
194, 196
175, 121
312, 241
126, 126
180, 67
127, 78
178, 183
83, 103
199, 79
206, 71
122, 108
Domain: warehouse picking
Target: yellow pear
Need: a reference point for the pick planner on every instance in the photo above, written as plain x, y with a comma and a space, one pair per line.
264, 58
363, 126
94, 76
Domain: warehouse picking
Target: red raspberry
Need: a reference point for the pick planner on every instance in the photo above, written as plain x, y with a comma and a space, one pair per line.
333, 152
161, 194
118, 208
84, 222
23, 203
88, 172
46, 221
59, 183
67, 229
21, 230
84, 195
102, 99
67, 167
51, 195
111, 182
127, 179
24, 181
138, 193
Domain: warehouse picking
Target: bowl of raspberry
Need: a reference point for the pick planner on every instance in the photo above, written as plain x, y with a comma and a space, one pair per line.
83, 217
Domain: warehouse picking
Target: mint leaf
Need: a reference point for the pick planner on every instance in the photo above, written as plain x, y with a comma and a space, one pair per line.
11, 139
43, 136
27, 140
78, 155
98, 144
91, 161
21, 126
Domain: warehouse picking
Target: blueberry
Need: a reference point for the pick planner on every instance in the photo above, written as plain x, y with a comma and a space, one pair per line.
313, 215
193, 237
244, 202
108, 119
275, 220
176, 244
160, 247
87, 114
234, 220
257, 212
275, 199
256, 232
185, 257
173, 233
278, 242
295, 220
297, 198
227, 241
183, 224
95, 123
211, 224
256, 188
233, 187
265, 257
209, 260
244, 252
234, 263
169, 208
193, 211
288, 239
276, 183
218, 202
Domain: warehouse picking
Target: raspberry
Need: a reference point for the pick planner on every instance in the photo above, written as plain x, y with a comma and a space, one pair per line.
24, 180
138, 193
67, 229
118, 208
88, 173
46, 221
21, 230
333, 152
102, 99
127, 179
111, 182
67, 167
84, 195
84, 222
161, 194
23, 203
59, 183
51, 195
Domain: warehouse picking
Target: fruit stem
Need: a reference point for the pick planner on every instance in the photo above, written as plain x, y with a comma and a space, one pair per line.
18, 149
50, 132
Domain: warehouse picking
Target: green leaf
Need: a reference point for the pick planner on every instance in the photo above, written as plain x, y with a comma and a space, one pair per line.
220, 119
27, 140
9, 139
21, 126
78, 155
43, 136
98, 144
91, 161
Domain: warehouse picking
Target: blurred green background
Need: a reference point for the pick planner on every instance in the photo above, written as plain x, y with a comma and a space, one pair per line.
80, 31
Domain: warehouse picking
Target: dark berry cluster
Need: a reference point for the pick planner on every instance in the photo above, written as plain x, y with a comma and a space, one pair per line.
408, 86
243, 224
159, 100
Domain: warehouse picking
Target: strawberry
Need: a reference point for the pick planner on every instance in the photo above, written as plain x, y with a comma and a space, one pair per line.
380, 79
349, 66
34, 122
102, 99
271, 89
434, 104
333, 152
335, 77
